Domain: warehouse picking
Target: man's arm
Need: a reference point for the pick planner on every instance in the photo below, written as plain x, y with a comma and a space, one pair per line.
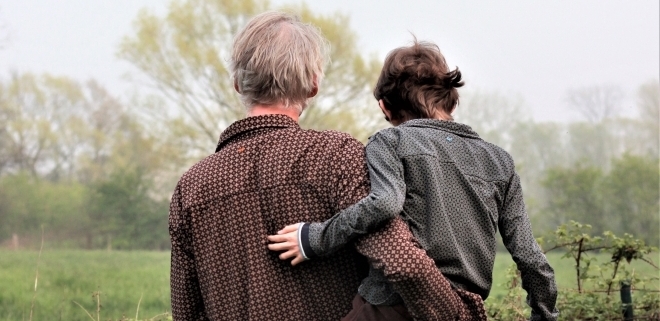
427, 294
536, 273
187, 303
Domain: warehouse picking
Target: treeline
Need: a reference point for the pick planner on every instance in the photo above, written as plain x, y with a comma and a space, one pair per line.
95, 171
78, 163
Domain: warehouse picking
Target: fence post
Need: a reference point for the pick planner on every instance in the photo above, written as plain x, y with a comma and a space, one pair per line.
626, 300
14, 241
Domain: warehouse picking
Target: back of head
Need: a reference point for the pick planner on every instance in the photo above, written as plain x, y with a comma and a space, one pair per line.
277, 59
415, 82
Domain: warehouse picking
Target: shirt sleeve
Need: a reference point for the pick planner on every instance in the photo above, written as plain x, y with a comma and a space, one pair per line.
187, 303
384, 202
427, 294
537, 275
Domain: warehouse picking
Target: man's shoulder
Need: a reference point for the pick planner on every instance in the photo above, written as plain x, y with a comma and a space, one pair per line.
334, 139
199, 170
336, 147
330, 134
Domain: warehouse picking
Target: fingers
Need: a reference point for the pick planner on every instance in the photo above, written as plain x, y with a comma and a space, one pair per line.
291, 249
289, 237
288, 229
283, 242
297, 260
289, 254
278, 238
284, 246
287, 240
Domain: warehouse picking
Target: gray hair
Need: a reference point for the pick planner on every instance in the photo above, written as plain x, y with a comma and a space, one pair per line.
276, 59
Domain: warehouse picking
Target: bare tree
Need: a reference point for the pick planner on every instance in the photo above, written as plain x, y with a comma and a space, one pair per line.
648, 104
493, 115
596, 103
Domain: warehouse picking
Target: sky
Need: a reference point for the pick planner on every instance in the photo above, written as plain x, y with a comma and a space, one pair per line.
536, 50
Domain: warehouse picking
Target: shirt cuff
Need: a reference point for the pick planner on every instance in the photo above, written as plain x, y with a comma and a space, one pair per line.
303, 242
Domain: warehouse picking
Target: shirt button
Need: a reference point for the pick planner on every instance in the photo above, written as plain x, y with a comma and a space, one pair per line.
449, 139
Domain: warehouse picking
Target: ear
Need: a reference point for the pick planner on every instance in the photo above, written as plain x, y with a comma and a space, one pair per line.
236, 86
315, 89
388, 114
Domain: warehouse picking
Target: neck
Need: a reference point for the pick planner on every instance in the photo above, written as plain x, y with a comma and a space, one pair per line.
441, 115
438, 116
275, 109
445, 117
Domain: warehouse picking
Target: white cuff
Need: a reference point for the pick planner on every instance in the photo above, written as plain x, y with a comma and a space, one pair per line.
300, 247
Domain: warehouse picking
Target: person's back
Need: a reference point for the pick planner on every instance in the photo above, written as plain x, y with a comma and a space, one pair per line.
468, 186
268, 172
264, 170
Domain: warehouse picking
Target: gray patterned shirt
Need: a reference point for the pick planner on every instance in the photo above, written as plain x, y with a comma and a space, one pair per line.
455, 191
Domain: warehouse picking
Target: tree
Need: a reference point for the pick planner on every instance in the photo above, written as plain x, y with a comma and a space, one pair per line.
592, 143
50, 122
648, 104
625, 199
123, 216
573, 193
73, 146
185, 55
28, 203
35, 110
537, 146
492, 115
596, 103
119, 206
631, 193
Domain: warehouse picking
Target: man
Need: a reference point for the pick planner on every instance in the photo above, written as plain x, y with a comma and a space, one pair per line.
267, 172
453, 189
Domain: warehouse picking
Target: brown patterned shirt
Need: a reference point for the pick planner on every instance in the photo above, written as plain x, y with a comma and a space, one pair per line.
267, 173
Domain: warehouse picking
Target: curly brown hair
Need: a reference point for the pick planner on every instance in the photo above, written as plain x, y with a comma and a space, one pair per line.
416, 83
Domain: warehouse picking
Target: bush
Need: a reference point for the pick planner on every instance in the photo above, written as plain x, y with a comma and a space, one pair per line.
596, 295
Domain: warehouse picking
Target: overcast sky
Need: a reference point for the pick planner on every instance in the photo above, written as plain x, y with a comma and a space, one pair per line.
535, 49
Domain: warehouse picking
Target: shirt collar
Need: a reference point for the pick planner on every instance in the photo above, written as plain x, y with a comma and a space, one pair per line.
255, 122
445, 125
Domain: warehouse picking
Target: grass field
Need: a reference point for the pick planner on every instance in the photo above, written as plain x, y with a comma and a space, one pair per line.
124, 277
67, 276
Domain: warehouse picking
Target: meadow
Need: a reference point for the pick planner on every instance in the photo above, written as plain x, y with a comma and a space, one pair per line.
68, 276
126, 278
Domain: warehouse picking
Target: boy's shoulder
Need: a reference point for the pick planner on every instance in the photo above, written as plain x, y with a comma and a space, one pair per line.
390, 134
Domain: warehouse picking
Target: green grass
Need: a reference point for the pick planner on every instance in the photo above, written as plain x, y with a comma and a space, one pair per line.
67, 276
123, 277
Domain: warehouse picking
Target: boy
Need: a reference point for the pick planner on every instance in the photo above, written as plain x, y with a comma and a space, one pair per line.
451, 188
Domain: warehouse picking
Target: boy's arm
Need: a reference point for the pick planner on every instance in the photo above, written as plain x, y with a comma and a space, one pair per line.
304, 240
536, 273
420, 283
384, 202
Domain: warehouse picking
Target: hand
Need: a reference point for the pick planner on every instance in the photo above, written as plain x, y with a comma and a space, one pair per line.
287, 240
